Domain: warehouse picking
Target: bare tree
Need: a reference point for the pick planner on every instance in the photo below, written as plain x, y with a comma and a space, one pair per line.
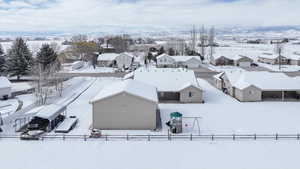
193, 39
211, 41
47, 83
203, 41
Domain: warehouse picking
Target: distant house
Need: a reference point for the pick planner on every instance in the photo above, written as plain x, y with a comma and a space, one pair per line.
107, 48
125, 105
258, 86
295, 59
5, 88
242, 61
187, 61
123, 60
221, 60
272, 59
173, 85
165, 61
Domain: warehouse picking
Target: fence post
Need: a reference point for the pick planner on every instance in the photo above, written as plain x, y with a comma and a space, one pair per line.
254, 136
64, 137
84, 137
212, 137
106, 137
127, 137
148, 137
168, 134
276, 136
191, 137
298, 136
233, 136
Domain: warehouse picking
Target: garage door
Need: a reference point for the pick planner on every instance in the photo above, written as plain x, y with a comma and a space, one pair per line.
245, 64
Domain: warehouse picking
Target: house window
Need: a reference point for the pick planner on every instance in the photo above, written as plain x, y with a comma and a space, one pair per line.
190, 94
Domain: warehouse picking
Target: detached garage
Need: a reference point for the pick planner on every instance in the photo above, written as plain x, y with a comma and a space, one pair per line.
126, 105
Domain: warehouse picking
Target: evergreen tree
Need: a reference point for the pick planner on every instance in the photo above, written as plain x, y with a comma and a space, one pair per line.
2, 61
161, 51
20, 59
1, 50
171, 52
46, 57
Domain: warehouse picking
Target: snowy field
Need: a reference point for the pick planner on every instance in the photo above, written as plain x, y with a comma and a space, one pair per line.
149, 155
35, 45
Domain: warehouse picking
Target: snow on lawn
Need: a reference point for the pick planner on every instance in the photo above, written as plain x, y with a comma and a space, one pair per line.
149, 155
90, 69
21, 86
222, 114
81, 107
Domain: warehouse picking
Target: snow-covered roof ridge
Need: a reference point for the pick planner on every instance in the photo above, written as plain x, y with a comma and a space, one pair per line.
166, 79
107, 56
129, 86
163, 55
263, 80
184, 58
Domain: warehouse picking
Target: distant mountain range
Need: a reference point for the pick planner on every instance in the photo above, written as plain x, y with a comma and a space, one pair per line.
153, 31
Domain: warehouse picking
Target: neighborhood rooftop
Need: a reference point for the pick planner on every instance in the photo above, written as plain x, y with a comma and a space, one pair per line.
129, 86
168, 79
263, 80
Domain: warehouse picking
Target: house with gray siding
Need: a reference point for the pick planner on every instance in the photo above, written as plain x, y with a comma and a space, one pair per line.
273, 59
258, 86
125, 105
173, 84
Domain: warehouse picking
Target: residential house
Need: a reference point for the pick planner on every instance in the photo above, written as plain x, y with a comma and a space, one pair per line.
258, 86
273, 59
187, 61
165, 61
173, 85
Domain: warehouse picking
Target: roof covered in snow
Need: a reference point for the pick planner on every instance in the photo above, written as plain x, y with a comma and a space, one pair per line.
107, 56
4, 82
269, 56
51, 111
185, 58
128, 86
166, 79
266, 81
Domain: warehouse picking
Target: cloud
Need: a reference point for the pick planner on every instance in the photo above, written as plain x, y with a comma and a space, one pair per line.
89, 15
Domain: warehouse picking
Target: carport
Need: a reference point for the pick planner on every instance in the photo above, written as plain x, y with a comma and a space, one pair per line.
280, 95
169, 96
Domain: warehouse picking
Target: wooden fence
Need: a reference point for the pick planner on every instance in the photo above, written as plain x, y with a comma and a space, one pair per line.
169, 137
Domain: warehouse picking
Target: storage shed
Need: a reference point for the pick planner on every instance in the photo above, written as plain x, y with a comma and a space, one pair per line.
5, 88
126, 105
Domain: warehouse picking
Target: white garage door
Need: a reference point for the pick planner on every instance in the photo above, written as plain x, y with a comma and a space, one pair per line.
245, 64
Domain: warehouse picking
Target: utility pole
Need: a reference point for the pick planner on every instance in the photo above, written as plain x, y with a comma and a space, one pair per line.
211, 40
203, 38
279, 50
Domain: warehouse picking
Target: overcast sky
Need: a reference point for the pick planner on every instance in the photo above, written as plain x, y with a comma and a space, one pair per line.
87, 15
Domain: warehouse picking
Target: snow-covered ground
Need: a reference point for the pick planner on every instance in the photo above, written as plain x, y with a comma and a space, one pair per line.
220, 114
149, 155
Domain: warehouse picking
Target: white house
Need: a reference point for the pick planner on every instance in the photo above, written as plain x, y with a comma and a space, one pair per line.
107, 59
272, 59
126, 105
242, 61
5, 88
187, 61
165, 61
295, 59
123, 60
173, 85
258, 86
